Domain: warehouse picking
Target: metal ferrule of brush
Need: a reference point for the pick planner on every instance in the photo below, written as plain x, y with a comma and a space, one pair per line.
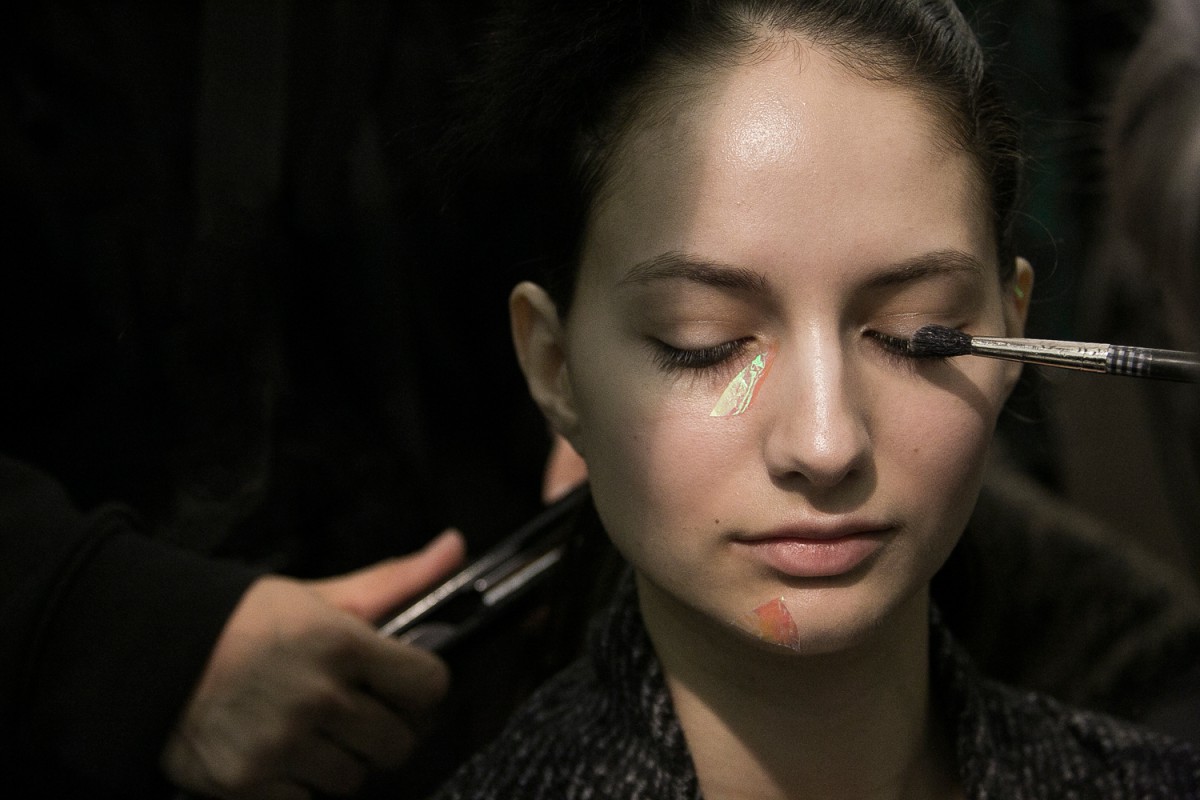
1088, 356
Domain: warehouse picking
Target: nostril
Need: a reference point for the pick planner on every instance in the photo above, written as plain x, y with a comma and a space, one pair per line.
826, 443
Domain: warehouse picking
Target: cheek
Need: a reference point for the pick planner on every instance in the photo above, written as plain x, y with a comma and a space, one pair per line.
938, 443
644, 420
951, 454
654, 455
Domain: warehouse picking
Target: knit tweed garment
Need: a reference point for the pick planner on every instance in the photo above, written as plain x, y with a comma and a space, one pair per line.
605, 728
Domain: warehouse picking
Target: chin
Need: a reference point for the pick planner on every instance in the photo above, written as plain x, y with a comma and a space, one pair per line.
824, 621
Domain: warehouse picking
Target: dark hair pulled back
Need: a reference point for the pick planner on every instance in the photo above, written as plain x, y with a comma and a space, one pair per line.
560, 82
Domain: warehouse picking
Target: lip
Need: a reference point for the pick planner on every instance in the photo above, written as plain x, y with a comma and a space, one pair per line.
823, 551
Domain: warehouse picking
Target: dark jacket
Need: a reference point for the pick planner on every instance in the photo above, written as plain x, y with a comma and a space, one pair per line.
606, 728
103, 634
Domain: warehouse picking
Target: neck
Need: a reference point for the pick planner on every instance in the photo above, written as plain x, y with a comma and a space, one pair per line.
764, 723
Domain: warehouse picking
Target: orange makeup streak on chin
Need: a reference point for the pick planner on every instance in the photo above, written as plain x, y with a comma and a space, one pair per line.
774, 623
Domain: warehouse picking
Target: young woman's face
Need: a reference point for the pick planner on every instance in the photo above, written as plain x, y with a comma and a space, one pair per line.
756, 450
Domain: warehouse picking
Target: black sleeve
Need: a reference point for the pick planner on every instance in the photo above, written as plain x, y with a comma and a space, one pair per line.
105, 632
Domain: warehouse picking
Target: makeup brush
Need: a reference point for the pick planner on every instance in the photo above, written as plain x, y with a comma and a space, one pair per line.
938, 341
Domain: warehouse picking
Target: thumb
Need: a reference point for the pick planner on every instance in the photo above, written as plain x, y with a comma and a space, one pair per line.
372, 591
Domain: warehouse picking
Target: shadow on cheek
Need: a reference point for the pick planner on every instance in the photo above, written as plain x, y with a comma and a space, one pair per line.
954, 380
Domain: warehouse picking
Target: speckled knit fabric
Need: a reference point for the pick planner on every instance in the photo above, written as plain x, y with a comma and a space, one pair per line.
606, 728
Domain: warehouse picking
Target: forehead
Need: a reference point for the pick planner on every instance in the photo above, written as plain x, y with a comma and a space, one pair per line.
791, 158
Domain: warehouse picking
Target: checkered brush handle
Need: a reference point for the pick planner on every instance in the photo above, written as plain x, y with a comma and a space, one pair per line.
1132, 361
1145, 362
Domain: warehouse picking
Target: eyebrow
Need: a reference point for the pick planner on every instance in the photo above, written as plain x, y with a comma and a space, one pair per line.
680, 266
934, 264
674, 265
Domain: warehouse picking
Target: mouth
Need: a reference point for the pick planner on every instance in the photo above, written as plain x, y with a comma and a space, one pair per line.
815, 552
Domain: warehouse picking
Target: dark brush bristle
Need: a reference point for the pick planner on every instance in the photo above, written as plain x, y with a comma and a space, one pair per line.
940, 342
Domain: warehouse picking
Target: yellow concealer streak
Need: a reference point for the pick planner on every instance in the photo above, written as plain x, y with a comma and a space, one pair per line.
740, 391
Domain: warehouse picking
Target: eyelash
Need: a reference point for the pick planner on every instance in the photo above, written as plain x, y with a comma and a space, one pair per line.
897, 348
674, 359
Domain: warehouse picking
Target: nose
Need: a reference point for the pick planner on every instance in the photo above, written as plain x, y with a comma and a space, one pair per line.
818, 427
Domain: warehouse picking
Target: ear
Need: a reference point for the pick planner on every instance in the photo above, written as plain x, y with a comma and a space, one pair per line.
1015, 301
1017, 292
541, 351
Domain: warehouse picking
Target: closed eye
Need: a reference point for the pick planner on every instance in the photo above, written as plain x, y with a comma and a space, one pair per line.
672, 359
898, 347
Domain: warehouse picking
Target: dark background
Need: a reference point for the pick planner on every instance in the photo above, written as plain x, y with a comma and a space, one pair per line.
233, 297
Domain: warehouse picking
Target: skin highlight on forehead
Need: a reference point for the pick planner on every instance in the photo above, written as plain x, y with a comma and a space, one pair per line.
767, 132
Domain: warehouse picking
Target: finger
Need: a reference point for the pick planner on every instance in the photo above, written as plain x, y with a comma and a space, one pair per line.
223, 763
322, 765
373, 732
406, 678
375, 590
227, 779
